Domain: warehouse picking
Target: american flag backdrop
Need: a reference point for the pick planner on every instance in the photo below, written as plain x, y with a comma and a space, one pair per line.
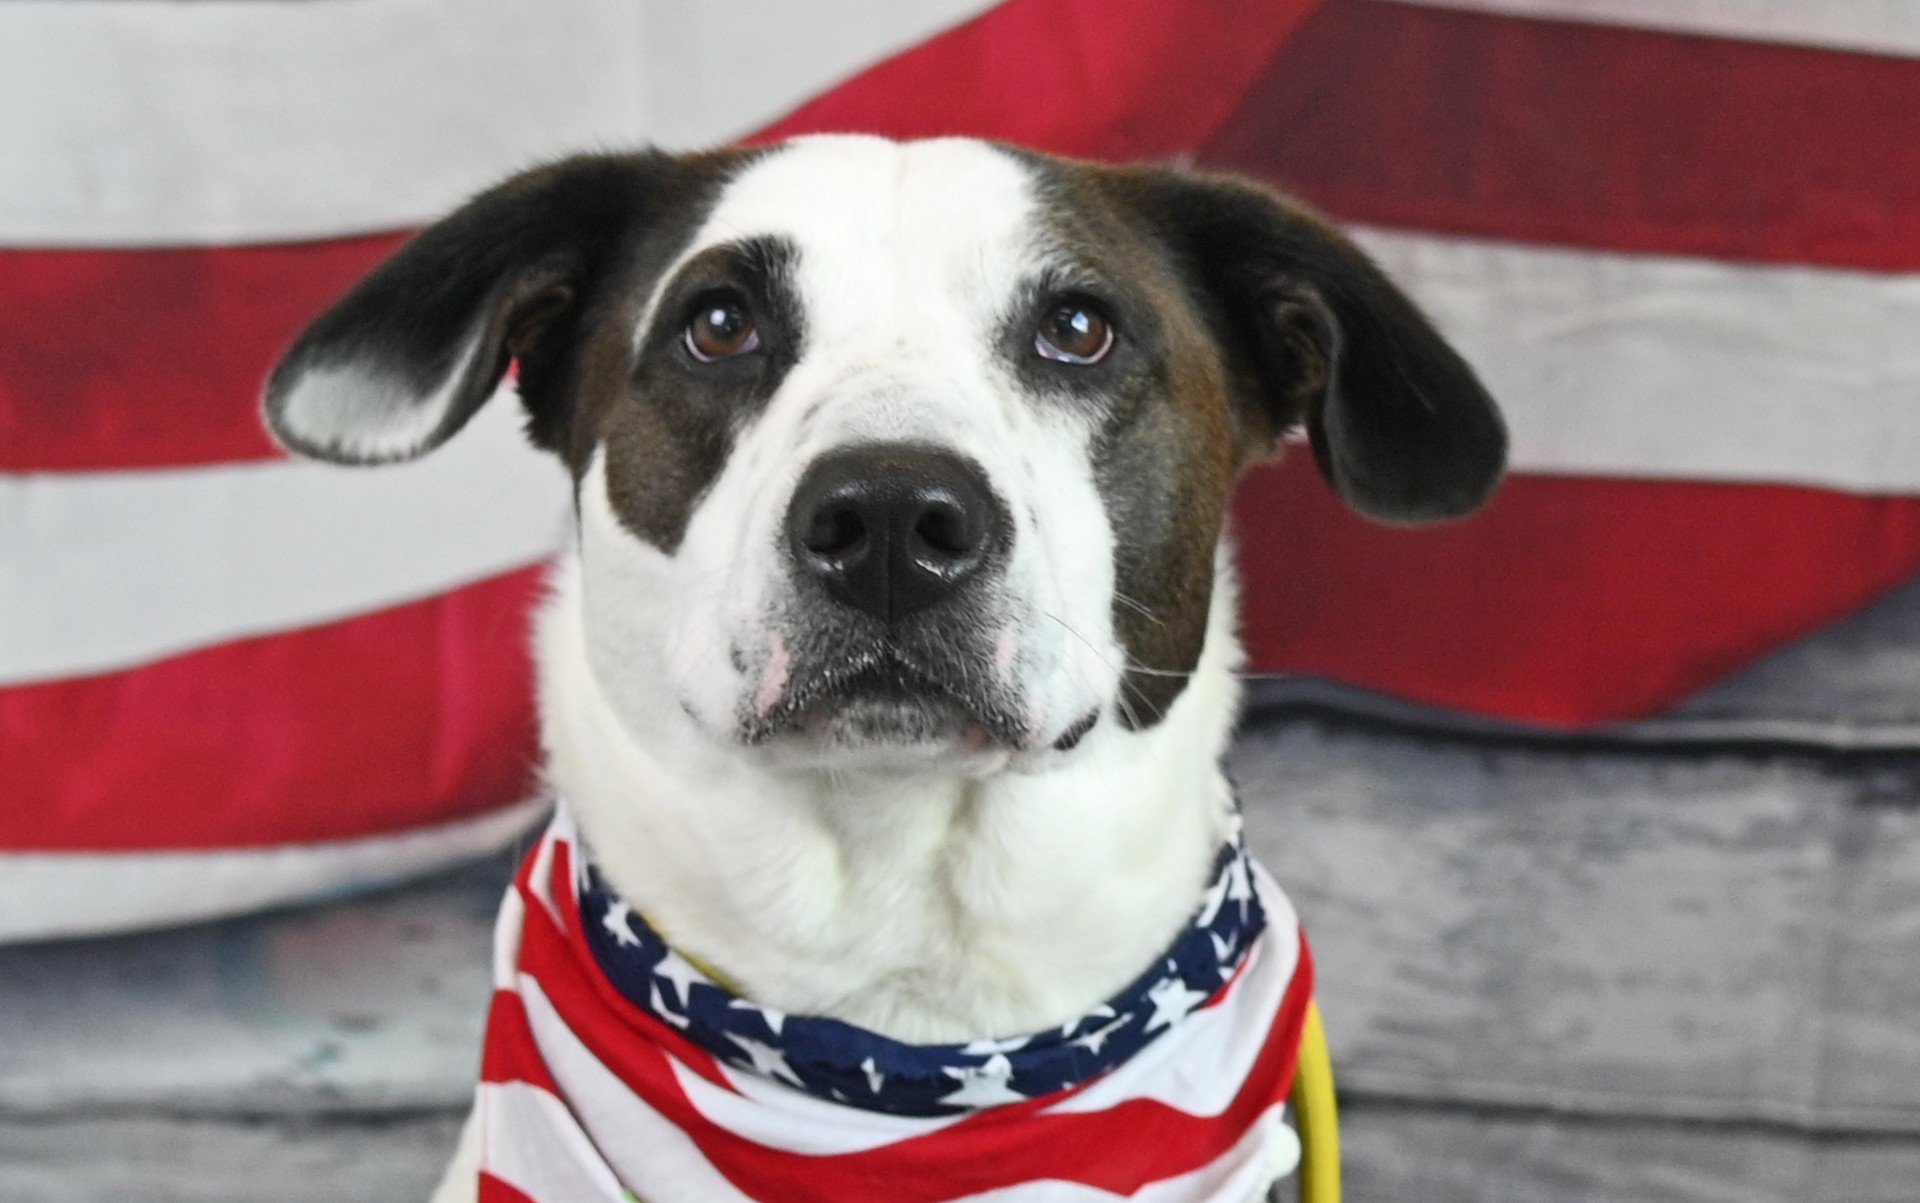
1678, 237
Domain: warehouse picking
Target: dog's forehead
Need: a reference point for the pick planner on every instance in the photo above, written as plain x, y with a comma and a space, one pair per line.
876, 224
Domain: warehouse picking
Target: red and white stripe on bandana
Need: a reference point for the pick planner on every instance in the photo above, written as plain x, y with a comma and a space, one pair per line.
588, 1093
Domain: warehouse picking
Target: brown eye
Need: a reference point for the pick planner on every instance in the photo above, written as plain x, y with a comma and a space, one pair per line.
1074, 333
720, 329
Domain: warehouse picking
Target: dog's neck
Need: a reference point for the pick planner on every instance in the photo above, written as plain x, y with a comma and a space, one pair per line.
928, 908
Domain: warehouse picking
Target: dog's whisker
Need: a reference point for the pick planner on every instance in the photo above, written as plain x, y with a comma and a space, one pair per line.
1120, 672
1138, 607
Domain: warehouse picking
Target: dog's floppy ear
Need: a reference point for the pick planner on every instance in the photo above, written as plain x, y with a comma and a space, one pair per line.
1400, 425
400, 363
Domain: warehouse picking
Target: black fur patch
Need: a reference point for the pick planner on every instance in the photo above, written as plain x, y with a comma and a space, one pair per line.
1165, 444
669, 425
515, 267
552, 269
1401, 426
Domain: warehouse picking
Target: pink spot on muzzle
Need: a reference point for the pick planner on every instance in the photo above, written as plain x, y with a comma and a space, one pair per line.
773, 680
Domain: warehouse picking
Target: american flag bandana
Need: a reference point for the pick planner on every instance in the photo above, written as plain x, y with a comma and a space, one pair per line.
616, 1069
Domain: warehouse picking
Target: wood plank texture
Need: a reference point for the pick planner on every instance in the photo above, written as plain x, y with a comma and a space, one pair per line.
1422, 1155
356, 1007
1619, 932
149, 1159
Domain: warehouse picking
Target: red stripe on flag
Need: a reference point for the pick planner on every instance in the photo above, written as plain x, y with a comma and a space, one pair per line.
567, 935
493, 1190
402, 718
1143, 79
1592, 135
154, 358
1567, 600
1137, 1141
510, 1053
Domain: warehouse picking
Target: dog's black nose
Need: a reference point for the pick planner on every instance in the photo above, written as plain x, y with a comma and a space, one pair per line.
892, 529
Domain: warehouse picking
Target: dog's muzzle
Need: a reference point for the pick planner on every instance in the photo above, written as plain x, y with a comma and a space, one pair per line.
890, 640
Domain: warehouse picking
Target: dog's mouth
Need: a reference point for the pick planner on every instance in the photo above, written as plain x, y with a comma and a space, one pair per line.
887, 698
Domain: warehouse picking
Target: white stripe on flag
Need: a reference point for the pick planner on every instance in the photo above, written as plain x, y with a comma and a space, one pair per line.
640, 1144
103, 570
1875, 26
49, 895
257, 120
776, 1116
509, 927
1610, 364
532, 1143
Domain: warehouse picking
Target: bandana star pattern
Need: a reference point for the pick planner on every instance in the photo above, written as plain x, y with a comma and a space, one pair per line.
848, 1064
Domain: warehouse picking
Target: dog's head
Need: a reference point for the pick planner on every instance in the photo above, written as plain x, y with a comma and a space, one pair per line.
897, 453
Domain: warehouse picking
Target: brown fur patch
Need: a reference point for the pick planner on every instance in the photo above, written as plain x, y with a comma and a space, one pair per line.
667, 423
1170, 444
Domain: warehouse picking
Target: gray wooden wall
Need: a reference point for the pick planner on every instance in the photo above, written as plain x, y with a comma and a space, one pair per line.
1677, 961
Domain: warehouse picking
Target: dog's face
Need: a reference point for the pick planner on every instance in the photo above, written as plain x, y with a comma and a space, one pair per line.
896, 454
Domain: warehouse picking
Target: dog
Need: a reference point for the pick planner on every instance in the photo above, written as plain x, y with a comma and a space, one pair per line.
886, 677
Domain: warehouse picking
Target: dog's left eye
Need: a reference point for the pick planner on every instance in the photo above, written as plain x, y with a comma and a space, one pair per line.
1074, 332
720, 328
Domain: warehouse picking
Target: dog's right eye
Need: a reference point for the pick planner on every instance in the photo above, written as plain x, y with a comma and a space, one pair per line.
1074, 332
720, 328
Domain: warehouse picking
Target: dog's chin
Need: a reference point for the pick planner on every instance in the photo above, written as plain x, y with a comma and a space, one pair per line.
884, 722
882, 734
869, 720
